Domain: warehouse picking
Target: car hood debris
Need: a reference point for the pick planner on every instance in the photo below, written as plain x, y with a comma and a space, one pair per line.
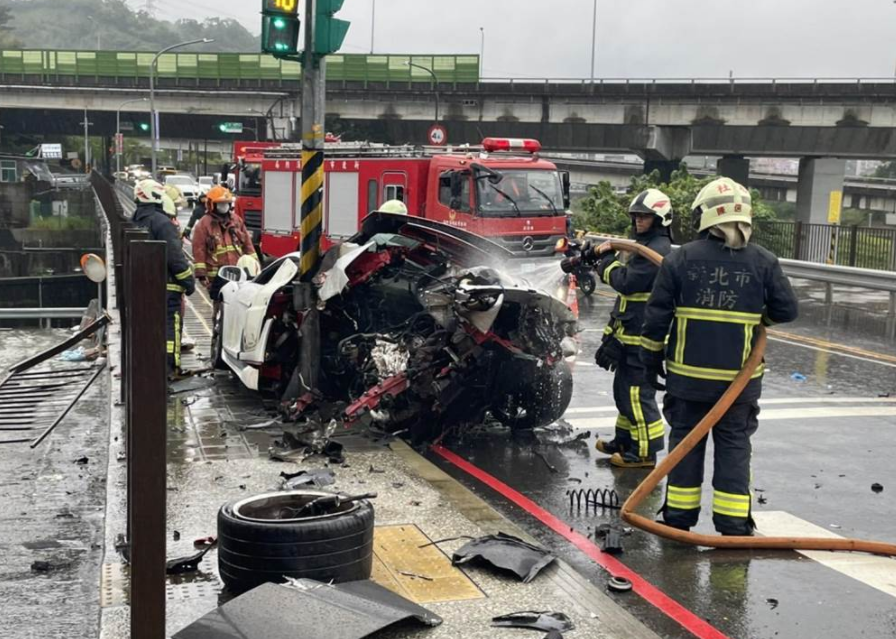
507, 553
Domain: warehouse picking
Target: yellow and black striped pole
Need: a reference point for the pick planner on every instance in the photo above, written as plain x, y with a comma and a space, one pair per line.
311, 215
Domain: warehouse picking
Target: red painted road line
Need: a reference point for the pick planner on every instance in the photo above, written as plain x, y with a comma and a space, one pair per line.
650, 593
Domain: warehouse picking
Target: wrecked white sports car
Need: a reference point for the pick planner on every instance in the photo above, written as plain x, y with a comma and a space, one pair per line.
422, 328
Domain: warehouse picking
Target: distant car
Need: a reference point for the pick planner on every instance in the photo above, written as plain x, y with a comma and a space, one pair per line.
422, 328
189, 188
206, 182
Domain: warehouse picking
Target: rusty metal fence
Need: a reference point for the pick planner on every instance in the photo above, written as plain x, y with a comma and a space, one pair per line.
138, 275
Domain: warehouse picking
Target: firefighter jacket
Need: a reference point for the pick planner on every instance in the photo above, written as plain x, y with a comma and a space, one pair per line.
633, 282
219, 242
154, 220
708, 300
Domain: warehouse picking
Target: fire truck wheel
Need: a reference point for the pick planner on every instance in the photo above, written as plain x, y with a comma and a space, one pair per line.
261, 540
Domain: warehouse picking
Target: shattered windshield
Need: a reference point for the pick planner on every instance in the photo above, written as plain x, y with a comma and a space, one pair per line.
520, 193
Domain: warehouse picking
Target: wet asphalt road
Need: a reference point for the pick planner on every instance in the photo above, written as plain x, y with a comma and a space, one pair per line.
52, 510
815, 456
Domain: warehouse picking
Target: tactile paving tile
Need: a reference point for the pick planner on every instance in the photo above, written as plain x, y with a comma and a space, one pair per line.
423, 575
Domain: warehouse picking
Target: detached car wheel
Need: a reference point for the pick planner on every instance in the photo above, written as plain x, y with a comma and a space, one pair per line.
261, 540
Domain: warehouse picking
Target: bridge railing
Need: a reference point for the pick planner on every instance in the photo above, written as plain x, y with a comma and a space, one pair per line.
204, 69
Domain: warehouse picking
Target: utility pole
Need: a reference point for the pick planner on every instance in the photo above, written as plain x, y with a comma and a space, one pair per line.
372, 24
86, 142
593, 39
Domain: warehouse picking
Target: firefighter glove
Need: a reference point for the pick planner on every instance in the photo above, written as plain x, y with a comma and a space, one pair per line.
609, 354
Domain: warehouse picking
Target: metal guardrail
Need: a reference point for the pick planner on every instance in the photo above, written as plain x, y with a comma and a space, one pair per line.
56, 65
63, 312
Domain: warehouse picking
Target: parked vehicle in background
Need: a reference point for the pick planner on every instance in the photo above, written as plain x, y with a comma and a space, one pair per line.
188, 187
206, 182
165, 171
137, 172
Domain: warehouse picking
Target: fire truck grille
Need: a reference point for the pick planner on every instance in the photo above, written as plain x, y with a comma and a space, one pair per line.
253, 220
523, 245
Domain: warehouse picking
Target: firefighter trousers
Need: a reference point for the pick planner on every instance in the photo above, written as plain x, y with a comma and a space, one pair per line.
174, 328
731, 499
639, 425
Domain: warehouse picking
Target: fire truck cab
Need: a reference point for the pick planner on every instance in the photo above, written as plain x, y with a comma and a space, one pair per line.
501, 190
247, 183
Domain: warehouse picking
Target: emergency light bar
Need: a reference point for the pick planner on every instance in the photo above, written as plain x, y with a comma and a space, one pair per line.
511, 144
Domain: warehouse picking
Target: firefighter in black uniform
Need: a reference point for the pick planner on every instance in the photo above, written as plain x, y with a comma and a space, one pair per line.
709, 298
148, 195
639, 425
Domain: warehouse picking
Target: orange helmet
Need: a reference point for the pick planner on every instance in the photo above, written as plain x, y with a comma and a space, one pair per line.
218, 195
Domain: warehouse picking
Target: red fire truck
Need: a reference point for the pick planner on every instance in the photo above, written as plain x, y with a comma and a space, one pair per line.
246, 172
501, 190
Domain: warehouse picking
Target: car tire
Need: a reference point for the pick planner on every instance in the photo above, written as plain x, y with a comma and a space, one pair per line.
217, 346
253, 550
549, 401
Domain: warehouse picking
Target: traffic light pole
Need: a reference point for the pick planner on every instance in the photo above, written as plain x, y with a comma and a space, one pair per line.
311, 214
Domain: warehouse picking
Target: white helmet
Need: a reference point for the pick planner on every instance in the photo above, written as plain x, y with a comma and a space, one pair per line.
148, 192
169, 206
653, 201
723, 200
394, 206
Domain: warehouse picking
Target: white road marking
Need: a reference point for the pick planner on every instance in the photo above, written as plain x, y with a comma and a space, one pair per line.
871, 570
198, 317
772, 401
779, 414
832, 352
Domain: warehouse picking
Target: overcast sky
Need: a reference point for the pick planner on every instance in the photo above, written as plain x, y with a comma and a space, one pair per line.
635, 38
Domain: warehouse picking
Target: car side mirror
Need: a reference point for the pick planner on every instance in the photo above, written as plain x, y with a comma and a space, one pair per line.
232, 274
564, 180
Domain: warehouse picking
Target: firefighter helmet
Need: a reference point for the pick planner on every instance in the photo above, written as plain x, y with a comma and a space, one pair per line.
168, 205
394, 206
218, 195
723, 200
148, 192
653, 201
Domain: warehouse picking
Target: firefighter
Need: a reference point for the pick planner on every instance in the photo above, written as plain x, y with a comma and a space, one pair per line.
639, 425
219, 239
149, 196
198, 212
709, 298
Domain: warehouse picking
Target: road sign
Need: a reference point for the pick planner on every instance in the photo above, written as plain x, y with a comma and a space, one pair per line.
834, 207
231, 127
437, 135
51, 151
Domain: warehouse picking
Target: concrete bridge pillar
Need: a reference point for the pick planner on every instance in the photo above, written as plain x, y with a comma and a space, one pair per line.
736, 167
664, 148
818, 177
665, 167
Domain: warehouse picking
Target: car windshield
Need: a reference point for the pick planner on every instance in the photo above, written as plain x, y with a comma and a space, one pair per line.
250, 178
530, 193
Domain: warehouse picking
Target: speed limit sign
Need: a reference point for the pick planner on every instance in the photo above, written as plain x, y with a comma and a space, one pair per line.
437, 135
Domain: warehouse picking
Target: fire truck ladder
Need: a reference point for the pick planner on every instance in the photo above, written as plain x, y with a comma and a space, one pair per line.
37, 398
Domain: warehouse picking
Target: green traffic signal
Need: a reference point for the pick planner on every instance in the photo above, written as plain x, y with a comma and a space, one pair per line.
329, 32
144, 126
279, 34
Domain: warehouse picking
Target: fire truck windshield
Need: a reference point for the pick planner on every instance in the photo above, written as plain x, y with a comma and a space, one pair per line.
250, 179
519, 192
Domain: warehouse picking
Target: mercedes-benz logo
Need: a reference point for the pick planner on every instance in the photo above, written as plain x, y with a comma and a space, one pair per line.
528, 243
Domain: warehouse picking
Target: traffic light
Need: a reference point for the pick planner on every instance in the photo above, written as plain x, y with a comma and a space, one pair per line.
280, 27
329, 32
144, 126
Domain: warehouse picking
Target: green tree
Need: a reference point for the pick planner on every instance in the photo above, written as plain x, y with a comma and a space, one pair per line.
886, 170
606, 211
7, 39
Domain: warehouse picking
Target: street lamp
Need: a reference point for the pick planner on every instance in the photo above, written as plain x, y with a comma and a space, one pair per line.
593, 39
435, 80
153, 119
99, 41
118, 141
481, 51
372, 24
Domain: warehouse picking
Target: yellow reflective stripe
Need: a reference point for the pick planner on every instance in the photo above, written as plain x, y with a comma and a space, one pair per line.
175, 288
641, 434
199, 265
714, 374
656, 429
213, 272
177, 340
608, 330
636, 297
716, 315
631, 340
682, 324
730, 504
609, 270
623, 303
748, 342
184, 274
683, 498
226, 249
650, 345
623, 423
169, 347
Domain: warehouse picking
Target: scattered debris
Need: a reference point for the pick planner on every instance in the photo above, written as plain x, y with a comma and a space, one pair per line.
261, 425
189, 401
619, 584
82, 460
41, 566
375, 470
574, 480
193, 383
415, 576
772, 602
318, 477
550, 466
176, 535
536, 620
309, 609
613, 541
877, 488
190, 563
593, 498
798, 377
202, 542
506, 552
762, 499
837, 526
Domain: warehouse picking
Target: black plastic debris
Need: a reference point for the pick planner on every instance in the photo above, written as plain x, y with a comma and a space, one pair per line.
772, 602
612, 544
507, 553
190, 563
310, 610
878, 488
546, 621
318, 477
41, 566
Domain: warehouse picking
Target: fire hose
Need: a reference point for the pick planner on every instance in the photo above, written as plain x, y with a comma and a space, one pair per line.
664, 467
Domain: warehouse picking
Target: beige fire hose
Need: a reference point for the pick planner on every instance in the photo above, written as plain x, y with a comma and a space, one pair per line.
693, 438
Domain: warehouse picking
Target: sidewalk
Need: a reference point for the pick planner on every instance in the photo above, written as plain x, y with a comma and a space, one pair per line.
212, 461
